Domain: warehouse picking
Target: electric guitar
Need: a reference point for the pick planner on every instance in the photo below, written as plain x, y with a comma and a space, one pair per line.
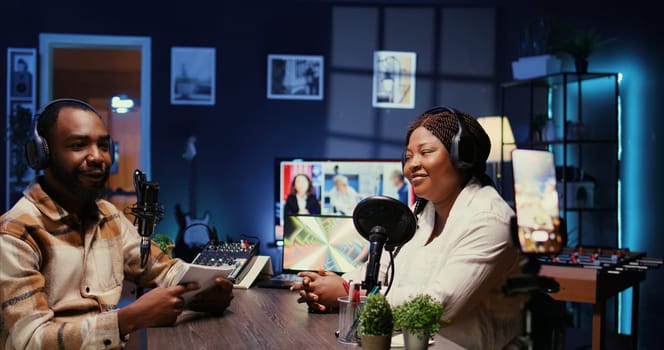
194, 232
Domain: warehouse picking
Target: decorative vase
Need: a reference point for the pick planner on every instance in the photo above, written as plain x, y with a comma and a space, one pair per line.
581, 65
537, 135
414, 341
376, 342
548, 131
169, 251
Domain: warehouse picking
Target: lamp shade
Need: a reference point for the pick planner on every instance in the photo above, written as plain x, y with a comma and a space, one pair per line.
492, 126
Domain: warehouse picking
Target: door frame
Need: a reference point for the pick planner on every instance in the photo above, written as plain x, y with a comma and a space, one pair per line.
50, 41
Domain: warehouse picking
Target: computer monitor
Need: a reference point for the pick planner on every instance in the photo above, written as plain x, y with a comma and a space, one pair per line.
336, 186
322, 242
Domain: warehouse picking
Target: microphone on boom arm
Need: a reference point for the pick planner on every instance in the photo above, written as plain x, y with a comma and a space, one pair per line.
386, 223
147, 211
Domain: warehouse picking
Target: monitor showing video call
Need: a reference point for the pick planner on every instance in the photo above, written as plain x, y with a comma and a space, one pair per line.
333, 186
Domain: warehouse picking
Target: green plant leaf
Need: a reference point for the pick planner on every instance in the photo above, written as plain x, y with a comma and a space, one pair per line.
376, 316
163, 241
583, 43
420, 315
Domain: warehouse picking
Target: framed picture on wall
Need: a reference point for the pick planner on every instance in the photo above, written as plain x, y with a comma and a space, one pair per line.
394, 79
22, 65
295, 77
193, 75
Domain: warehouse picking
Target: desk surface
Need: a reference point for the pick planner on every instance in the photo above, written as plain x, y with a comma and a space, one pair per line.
258, 318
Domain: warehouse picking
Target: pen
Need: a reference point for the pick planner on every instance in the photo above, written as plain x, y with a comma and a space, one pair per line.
375, 289
355, 297
353, 328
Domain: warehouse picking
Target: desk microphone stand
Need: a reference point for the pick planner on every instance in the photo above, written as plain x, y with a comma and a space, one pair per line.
546, 329
543, 323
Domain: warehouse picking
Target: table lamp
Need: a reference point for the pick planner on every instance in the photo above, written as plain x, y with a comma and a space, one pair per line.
505, 141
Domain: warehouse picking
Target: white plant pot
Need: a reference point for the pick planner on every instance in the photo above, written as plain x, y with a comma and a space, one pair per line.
414, 342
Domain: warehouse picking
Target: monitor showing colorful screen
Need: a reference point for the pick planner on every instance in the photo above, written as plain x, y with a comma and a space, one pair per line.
322, 242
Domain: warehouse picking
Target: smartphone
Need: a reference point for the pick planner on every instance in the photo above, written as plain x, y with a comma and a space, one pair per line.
539, 228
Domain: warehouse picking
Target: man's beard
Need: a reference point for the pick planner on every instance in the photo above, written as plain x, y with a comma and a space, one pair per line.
87, 195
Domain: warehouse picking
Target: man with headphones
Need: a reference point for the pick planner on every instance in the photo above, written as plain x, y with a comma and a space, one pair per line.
462, 252
66, 251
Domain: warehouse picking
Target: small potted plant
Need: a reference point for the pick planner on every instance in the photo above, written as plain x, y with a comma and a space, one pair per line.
376, 323
581, 45
164, 242
418, 318
581, 197
537, 124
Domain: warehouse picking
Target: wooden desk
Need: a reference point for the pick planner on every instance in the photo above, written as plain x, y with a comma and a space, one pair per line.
258, 318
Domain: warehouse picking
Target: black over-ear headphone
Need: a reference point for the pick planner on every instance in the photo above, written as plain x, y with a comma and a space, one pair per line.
462, 146
36, 149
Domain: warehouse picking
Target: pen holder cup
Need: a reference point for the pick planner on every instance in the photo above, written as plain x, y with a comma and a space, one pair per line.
349, 319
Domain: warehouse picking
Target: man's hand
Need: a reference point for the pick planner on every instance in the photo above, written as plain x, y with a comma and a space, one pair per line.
214, 299
320, 290
158, 307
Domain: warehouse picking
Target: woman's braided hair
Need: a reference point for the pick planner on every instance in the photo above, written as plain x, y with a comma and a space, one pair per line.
443, 124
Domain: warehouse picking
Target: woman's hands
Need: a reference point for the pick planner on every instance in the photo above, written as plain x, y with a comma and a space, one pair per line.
320, 290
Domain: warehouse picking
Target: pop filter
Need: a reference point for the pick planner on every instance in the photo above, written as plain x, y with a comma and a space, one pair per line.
385, 214
384, 222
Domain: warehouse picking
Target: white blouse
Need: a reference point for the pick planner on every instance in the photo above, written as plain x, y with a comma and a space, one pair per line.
465, 267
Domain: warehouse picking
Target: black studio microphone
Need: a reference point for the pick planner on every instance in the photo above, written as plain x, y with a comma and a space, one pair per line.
377, 239
147, 212
386, 223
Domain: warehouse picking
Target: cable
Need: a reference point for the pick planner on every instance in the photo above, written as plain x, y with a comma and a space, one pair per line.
390, 267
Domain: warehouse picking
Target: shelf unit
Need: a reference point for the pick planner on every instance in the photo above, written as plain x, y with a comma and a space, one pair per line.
584, 112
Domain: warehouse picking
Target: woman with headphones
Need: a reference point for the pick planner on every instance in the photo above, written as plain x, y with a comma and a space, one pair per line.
461, 253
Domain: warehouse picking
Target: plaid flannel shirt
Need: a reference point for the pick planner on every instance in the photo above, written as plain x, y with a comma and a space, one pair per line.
59, 287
